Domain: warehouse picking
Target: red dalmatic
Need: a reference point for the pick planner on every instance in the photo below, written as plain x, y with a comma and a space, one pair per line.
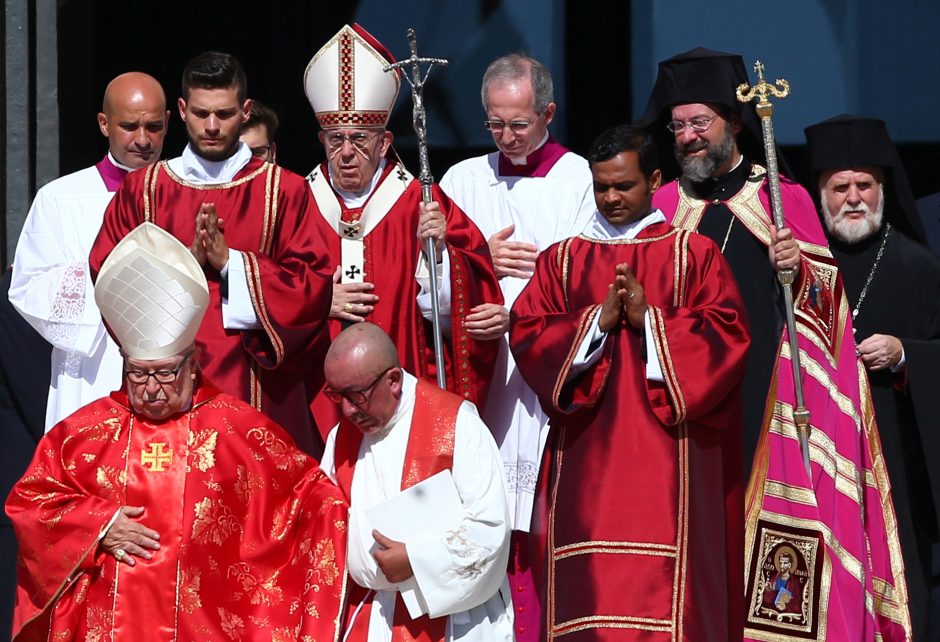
268, 216
638, 520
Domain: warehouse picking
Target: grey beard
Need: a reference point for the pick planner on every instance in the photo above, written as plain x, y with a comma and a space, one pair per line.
854, 231
699, 169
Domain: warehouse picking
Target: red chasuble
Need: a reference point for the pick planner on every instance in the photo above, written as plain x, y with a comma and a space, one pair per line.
638, 515
252, 533
268, 214
385, 232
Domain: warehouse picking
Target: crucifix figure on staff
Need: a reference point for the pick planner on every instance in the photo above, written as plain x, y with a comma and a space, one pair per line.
380, 223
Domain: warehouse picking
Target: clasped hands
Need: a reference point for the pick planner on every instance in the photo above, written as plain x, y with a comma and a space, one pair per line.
625, 301
209, 243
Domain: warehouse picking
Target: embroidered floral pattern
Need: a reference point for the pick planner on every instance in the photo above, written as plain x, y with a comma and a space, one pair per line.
189, 591
232, 625
214, 522
202, 449
473, 556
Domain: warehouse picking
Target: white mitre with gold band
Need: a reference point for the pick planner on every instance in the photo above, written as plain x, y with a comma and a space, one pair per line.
346, 82
152, 293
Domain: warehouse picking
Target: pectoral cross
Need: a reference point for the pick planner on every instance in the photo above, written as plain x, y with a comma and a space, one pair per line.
156, 457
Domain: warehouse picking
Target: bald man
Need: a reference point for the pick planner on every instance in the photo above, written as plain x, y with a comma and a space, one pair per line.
51, 286
397, 431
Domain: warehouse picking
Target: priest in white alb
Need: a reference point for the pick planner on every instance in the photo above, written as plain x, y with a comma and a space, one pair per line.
51, 284
397, 432
529, 194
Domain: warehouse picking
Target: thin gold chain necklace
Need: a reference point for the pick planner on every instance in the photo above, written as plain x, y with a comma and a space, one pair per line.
871, 275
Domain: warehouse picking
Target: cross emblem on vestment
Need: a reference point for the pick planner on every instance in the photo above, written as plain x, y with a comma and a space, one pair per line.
401, 174
353, 271
351, 231
156, 457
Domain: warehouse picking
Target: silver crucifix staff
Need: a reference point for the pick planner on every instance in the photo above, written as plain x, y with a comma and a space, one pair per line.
419, 119
760, 91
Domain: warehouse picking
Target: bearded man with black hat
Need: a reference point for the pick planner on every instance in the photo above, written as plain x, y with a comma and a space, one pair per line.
893, 285
839, 532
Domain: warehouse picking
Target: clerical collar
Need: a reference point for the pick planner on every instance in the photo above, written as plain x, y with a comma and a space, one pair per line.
112, 172
723, 187
601, 229
535, 165
196, 169
353, 199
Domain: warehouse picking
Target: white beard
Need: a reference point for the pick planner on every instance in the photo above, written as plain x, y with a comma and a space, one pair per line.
853, 231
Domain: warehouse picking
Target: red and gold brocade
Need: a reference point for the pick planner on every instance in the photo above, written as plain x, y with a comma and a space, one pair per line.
638, 523
252, 533
391, 253
267, 213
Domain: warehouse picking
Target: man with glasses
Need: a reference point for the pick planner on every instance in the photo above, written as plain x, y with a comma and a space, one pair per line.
396, 431
723, 192
170, 510
259, 130
376, 226
530, 193
250, 224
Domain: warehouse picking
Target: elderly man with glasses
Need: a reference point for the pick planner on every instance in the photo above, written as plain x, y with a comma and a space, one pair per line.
397, 431
530, 193
170, 510
376, 228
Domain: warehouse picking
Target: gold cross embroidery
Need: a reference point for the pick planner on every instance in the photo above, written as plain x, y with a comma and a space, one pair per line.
156, 457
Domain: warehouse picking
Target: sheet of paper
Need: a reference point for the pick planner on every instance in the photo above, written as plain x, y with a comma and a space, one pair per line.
418, 514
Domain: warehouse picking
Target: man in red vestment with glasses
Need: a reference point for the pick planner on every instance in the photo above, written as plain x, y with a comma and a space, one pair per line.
634, 337
250, 225
371, 214
169, 510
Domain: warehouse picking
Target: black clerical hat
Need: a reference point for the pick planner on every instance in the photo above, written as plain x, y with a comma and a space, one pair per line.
847, 142
703, 76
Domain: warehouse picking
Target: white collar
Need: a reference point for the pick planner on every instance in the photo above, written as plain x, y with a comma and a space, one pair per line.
196, 169
117, 164
352, 199
522, 160
599, 228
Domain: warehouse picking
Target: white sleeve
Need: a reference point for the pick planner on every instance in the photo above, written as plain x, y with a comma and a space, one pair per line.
238, 313
51, 282
467, 566
423, 277
595, 338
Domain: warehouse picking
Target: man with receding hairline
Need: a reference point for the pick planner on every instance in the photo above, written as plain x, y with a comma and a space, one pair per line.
51, 284
397, 431
249, 223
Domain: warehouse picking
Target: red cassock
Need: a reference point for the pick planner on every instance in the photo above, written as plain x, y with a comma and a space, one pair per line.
268, 216
637, 527
252, 533
381, 247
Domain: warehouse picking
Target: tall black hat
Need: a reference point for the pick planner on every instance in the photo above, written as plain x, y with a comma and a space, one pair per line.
847, 142
702, 76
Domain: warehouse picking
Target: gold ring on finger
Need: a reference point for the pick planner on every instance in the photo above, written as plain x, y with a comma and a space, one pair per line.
119, 554
348, 308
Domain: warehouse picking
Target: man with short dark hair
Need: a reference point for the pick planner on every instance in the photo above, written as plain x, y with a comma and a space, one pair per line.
528, 194
892, 282
643, 486
371, 213
250, 225
397, 431
259, 131
170, 510
51, 283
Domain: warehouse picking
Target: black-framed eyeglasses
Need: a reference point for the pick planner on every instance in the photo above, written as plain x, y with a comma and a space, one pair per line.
162, 376
359, 140
355, 397
698, 124
261, 151
517, 126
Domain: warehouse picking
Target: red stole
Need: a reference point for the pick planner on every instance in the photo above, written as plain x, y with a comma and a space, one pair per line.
430, 450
